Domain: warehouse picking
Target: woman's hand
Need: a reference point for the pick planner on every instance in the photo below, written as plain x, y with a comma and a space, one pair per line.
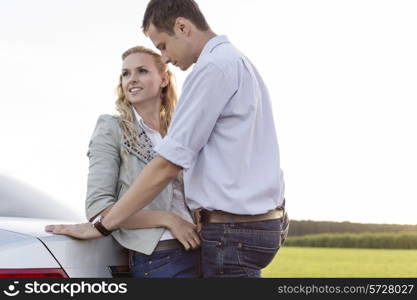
83, 231
183, 231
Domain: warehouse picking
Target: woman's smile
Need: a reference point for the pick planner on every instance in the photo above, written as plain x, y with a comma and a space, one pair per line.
135, 90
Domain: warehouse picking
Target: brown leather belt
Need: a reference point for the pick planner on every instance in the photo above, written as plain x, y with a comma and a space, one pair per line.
218, 216
168, 245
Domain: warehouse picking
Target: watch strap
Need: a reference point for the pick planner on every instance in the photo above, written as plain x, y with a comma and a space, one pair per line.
100, 227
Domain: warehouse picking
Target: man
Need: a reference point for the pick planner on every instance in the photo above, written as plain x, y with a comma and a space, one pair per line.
222, 135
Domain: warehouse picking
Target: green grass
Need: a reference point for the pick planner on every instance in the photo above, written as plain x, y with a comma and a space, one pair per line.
338, 262
379, 240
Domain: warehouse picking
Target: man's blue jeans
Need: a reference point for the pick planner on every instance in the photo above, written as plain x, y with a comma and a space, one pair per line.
240, 249
176, 263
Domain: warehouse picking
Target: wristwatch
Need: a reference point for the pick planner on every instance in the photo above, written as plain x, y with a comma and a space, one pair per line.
100, 227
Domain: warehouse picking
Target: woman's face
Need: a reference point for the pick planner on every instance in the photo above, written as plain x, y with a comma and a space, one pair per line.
141, 80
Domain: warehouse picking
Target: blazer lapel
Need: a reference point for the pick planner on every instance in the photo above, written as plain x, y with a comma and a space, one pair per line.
144, 151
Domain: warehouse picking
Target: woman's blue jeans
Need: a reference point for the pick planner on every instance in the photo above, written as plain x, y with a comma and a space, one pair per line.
175, 263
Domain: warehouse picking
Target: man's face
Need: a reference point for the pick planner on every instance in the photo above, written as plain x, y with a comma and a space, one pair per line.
175, 49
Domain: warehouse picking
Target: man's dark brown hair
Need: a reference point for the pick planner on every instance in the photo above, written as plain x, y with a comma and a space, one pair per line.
163, 13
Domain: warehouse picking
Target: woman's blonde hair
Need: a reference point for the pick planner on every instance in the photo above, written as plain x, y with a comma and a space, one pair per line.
168, 97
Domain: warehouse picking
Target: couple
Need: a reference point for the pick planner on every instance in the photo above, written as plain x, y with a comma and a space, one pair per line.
205, 195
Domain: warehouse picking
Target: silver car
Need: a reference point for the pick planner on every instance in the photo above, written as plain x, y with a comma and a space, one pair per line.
26, 250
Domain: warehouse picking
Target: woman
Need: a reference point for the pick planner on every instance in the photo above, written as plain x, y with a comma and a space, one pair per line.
119, 149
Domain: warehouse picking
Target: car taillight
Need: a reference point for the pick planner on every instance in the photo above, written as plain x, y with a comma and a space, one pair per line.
33, 273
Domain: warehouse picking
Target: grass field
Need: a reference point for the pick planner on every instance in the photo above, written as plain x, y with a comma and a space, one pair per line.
337, 262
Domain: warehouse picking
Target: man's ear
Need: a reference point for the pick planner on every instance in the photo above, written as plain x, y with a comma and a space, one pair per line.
182, 26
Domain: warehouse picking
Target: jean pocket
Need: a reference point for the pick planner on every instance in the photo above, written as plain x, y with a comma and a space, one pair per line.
211, 236
253, 257
154, 265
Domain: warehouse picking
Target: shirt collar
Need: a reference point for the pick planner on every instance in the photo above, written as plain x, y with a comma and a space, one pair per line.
213, 43
140, 122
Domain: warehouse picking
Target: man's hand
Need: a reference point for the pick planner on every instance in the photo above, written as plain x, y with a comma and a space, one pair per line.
83, 231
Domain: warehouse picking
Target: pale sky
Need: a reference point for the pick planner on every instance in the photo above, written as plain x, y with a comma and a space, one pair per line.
342, 77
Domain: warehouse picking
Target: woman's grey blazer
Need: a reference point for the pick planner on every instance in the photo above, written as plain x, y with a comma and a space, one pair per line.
114, 165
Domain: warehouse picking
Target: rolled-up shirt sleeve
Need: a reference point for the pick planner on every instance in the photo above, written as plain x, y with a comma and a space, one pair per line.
205, 94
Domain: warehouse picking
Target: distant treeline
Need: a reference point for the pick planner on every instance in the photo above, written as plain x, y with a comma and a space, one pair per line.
393, 240
314, 227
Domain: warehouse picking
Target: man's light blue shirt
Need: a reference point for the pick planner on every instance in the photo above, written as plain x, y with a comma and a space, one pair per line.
223, 135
